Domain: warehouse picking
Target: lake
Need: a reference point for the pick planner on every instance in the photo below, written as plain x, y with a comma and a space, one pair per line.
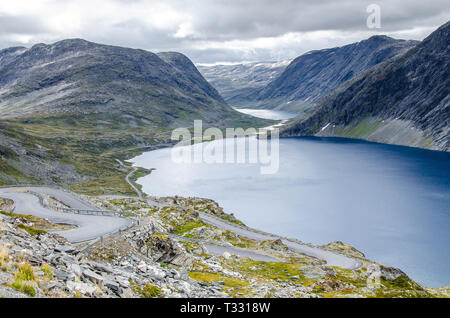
266, 113
390, 202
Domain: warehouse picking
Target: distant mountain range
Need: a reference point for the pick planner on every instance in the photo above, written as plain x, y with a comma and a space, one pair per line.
237, 82
405, 100
298, 86
315, 74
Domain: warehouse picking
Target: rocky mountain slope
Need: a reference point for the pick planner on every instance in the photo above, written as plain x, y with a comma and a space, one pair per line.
405, 100
236, 83
69, 109
170, 253
74, 77
315, 74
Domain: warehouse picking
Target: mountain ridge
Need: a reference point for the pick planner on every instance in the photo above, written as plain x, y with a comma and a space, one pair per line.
78, 76
69, 109
405, 100
237, 82
317, 73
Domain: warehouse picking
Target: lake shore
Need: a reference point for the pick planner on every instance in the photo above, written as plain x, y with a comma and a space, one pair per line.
312, 233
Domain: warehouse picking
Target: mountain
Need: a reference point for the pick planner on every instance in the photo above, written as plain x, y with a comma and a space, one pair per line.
68, 110
79, 77
239, 81
315, 74
405, 100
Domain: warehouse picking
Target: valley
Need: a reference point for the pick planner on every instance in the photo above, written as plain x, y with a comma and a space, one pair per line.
91, 204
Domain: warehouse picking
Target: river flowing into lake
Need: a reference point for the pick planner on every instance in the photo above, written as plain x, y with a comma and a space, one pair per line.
390, 202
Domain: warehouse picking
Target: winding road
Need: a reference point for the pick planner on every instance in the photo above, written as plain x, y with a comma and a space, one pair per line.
332, 259
127, 179
89, 227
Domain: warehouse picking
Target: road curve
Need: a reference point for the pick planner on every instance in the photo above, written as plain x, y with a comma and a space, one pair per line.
65, 197
127, 179
89, 227
220, 250
332, 259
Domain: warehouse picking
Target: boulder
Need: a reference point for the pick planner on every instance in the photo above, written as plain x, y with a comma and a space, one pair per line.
226, 255
183, 260
82, 288
65, 248
63, 275
93, 277
311, 272
123, 282
75, 269
390, 273
113, 286
161, 248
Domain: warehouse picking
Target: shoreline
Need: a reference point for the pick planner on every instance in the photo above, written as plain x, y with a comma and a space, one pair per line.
352, 141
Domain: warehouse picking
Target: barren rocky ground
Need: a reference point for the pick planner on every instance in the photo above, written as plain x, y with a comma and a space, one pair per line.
173, 253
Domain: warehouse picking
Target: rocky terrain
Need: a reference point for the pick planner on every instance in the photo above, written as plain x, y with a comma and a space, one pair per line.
237, 82
405, 100
170, 254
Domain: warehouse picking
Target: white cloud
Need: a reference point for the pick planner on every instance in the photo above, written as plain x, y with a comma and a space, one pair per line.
228, 30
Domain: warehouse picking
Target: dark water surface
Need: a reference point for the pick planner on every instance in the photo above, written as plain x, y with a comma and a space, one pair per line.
390, 202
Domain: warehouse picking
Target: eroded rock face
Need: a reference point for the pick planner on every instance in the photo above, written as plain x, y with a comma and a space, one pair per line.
161, 249
156, 246
391, 273
276, 245
405, 93
329, 285
69, 273
6, 205
140, 235
344, 248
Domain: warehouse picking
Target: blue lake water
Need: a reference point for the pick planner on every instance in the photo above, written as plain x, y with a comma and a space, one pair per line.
390, 202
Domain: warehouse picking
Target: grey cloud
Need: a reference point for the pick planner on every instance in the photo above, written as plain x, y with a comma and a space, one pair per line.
19, 24
222, 19
215, 22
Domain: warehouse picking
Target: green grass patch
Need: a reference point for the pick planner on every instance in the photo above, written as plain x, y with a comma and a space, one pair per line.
189, 226
14, 215
32, 231
230, 218
275, 271
24, 279
147, 291
229, 282
45, 268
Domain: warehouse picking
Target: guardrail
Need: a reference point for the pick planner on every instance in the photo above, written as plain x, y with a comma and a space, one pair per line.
80, 211
293, 240
134, 222
90, 212
98, 239
120, 214
244, 227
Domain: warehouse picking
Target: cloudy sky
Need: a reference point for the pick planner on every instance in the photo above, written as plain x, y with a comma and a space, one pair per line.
211, 31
